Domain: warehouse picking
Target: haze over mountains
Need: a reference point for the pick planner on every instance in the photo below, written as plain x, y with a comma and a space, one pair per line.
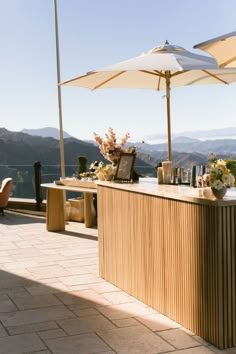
18, 148
182, 142
39, 145
224, 133
47, 132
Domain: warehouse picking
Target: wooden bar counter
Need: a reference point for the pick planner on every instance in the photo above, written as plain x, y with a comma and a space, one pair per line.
173, 250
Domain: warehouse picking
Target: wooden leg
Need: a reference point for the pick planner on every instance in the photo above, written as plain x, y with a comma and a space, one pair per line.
55, 210
89, 211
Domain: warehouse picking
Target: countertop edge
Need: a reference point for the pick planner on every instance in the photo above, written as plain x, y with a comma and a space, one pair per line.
150, 186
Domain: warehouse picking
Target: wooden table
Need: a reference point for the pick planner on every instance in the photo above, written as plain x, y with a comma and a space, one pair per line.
174, 250
56, 205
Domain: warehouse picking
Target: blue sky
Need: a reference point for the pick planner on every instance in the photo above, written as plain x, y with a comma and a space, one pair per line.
94, 34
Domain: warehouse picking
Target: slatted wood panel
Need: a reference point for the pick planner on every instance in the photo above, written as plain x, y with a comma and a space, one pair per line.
178, 257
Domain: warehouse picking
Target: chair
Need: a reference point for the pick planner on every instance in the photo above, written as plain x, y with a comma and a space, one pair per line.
5, 191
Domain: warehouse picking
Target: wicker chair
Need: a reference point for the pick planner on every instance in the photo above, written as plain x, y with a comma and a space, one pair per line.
5, 190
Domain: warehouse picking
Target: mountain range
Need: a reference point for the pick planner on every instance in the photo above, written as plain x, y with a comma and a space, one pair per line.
20, 150
26, 148
223, 133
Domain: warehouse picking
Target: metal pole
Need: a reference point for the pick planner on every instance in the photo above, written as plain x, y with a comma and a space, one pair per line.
168, 114
37, 182
62, 156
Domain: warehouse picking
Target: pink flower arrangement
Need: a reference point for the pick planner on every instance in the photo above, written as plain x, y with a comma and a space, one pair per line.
110, 148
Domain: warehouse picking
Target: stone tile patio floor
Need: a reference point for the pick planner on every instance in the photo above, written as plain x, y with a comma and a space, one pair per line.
52, 299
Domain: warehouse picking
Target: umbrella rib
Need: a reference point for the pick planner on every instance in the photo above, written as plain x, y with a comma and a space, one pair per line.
78, 77
110, 78
215, 77
179, 73
155, 72
227, 62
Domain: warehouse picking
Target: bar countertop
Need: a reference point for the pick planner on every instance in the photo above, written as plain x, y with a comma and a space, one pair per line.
150, 186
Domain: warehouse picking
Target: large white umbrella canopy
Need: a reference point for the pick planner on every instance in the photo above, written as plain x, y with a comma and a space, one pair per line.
222, 48
159, 69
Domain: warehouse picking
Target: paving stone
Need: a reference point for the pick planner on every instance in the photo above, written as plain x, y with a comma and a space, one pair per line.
20, 265
79, 279
85, 312
135, 340
157, 322
6, 305
34, 316
126, 322
53, 333
34, 327
48, 271
43, 289
19, 291
77, 298
42, 352
7, 246
179, 339
86, 324
10, 281
104, 287
82, 344
20, 344
76, 270
117, 297
124, 311
71, 300
78, 251
25, 302
5, 259
3, 332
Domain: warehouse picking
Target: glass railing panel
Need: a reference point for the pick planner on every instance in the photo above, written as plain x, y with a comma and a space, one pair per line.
24, 177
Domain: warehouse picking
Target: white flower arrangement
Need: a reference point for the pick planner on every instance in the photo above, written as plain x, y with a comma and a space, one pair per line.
102, 171
219, 175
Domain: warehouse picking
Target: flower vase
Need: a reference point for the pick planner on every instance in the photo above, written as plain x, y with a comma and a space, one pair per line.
219, 193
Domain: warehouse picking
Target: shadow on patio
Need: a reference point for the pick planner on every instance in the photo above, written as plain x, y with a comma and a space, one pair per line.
52, 299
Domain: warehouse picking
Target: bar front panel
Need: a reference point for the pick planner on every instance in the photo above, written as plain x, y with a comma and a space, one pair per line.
177, 257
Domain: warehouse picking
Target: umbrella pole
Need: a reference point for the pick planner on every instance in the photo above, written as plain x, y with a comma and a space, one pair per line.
62, 156
167, 73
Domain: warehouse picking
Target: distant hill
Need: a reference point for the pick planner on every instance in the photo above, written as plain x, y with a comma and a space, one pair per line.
222, 146
46, 133
19, 152
223, 133
21, 148
18, 148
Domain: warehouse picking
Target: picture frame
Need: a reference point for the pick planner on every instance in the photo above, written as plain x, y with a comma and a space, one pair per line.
125, 168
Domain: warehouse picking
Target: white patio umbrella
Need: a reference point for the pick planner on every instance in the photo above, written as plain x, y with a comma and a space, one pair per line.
222, 48
159, 69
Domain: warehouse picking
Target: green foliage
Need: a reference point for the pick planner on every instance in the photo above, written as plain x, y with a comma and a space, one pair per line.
82, 165
231, 165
